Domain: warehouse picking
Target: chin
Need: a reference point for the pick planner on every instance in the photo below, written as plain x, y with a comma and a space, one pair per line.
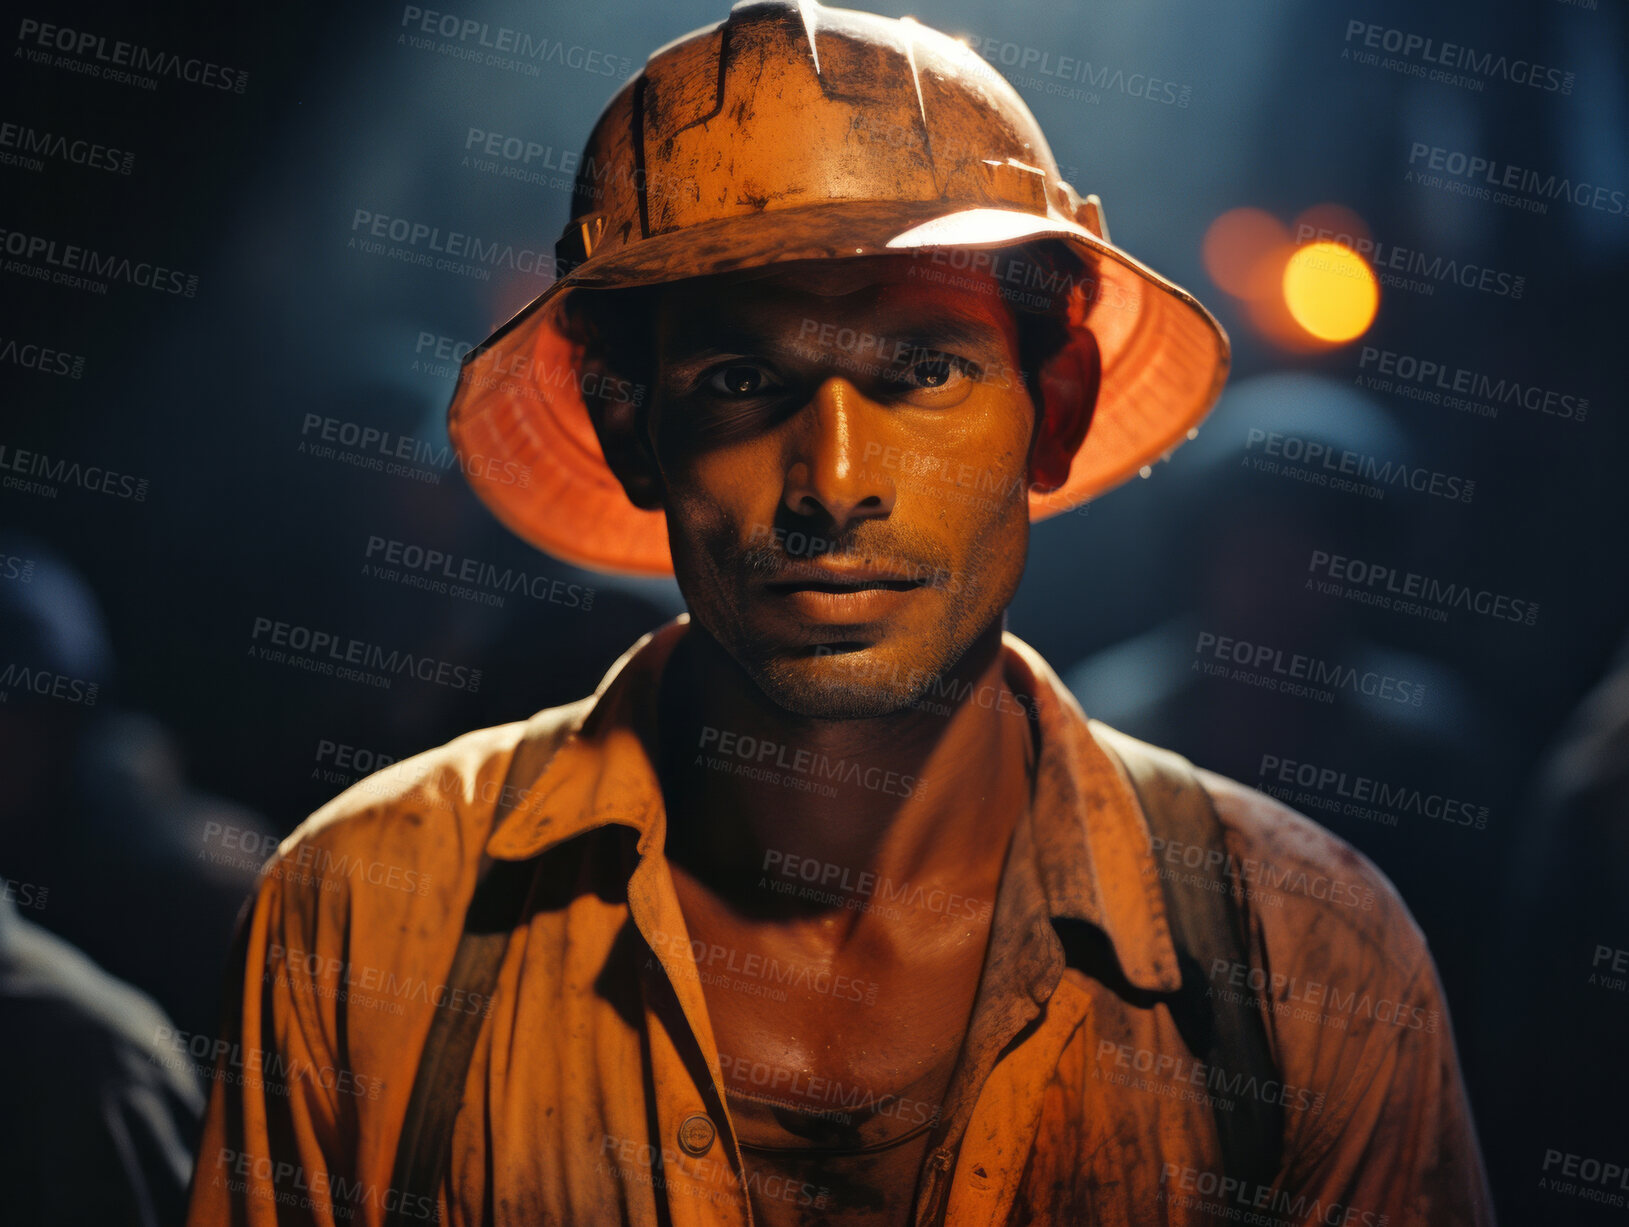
851, 685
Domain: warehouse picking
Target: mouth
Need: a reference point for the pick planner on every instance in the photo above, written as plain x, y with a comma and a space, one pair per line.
835, 577
840, 597
783, 587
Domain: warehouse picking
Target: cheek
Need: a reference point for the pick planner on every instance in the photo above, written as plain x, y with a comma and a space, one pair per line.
699, 533
995, 522
715, 504
696, 527
999, 543
726, 482
999, 453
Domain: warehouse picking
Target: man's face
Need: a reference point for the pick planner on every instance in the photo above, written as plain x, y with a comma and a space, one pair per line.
844, 452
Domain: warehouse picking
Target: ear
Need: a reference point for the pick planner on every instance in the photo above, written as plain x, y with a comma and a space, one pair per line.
1069, 384
619, 411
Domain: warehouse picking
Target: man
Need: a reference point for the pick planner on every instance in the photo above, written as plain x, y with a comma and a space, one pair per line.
829, 906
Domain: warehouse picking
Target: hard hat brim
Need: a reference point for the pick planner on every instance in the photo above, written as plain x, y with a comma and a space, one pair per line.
529, 451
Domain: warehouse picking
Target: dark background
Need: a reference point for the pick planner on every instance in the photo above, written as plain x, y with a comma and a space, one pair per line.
118, 809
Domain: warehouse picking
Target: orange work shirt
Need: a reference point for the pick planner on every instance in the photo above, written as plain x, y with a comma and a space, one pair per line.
594, 1095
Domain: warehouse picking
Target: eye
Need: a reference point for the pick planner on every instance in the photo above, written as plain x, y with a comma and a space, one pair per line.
934, 375
930, 373
933, 372
740, 379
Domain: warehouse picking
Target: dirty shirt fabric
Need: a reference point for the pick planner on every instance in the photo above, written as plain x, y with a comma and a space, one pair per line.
595, 1096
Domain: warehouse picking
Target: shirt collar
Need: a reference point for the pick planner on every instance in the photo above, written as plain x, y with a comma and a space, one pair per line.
1091, 842
1092, 845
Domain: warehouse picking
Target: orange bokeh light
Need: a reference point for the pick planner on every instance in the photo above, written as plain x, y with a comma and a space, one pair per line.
1239, 251
1331, 291
1301, 296
1330, 221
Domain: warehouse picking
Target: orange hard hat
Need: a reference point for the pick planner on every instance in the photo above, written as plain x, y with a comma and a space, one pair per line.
792, 131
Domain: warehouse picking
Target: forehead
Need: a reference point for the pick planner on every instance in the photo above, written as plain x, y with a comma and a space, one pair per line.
898, 288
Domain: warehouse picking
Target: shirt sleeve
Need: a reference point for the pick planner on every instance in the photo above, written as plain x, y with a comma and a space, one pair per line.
274, 1147
1357, 1017
1397, 1147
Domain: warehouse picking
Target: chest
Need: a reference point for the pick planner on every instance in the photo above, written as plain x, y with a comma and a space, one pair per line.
560, 1123
830, 1045
837, 1057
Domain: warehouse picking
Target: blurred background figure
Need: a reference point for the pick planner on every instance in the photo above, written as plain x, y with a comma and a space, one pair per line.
141, 871
1558, 994
101, 1117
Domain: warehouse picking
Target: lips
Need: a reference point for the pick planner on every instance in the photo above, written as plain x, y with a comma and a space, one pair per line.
840, 586
819, 578
840, 596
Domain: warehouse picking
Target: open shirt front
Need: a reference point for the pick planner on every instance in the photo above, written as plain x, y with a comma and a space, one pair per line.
595, 1096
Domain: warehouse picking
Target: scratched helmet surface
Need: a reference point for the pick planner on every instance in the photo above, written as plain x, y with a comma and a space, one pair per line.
792, 131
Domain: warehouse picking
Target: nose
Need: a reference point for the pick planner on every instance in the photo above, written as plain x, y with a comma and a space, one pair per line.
828, 471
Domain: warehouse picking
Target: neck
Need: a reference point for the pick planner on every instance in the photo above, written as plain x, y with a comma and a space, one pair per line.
757, 795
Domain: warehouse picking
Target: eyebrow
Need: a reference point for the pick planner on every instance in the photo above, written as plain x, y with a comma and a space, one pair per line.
951, 327
941, 326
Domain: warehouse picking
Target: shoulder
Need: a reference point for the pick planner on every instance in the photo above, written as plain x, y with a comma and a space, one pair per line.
360, 911
1310, 895
418, 827
1310, 888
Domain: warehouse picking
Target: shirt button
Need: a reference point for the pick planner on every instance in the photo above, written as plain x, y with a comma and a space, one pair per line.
696, 1134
